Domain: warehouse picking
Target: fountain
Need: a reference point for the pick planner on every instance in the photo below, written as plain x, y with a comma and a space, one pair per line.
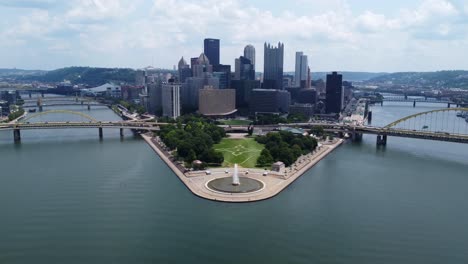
235, 176
235, 184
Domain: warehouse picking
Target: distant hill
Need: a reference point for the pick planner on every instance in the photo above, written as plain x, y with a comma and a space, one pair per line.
440, 79
347, 76
19, 72
350, 76
85, 75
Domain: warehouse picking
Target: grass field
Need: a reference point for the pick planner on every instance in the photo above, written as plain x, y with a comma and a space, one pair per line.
236, 122
244, 152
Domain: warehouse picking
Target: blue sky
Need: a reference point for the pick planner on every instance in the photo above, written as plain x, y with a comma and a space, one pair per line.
351, 35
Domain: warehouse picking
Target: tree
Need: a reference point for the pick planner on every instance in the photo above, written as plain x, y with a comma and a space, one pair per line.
317, 130
265, 158
286, 156
284, 146
212, 156
296, 151
184, 149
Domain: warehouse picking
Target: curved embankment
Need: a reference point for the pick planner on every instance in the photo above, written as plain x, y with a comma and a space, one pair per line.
197, 181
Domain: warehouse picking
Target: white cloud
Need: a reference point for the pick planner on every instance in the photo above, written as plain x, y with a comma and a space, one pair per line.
130, 33
99, 10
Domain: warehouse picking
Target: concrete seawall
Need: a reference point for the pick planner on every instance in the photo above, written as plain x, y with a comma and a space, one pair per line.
274, 182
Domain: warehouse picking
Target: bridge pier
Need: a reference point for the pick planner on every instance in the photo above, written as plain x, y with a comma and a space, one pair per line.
89, 107
369, 117
16, 135
100, 133
30, 94
356, 137
121, 132
414, 103
381, 140
42, 94
448, 105
381, 103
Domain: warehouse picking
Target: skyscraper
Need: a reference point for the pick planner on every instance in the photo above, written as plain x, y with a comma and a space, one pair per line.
249, 53
300, 77
273, 66
335, 95
184, 70
244, 69
223, 73
211, 50
201, 66
171, 99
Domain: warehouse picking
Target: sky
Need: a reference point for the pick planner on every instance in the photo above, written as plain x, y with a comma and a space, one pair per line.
341, 35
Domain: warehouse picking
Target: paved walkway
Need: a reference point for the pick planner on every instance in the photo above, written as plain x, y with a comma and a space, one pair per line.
274, 182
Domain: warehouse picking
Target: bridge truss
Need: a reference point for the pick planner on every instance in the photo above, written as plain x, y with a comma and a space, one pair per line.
443, 121
88, 117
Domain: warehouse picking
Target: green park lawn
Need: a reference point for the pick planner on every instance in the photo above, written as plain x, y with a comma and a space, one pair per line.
236, 122
244, 152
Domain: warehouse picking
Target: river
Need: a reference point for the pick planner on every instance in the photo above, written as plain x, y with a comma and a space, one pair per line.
68, 197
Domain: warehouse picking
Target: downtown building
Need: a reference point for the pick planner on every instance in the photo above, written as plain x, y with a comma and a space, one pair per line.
273, 66
301, 70
334, 93
244, 69
271, 101
249, 53
191, 90
223, 73
171, 106
217, 102
211, 50
184, 70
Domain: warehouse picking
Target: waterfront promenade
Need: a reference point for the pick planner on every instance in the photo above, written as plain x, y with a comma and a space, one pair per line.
274, 182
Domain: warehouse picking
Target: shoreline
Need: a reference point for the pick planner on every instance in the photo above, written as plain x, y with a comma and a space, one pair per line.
275, 182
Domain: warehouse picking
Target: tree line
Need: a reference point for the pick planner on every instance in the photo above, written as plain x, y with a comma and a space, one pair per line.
284, 146
194, 140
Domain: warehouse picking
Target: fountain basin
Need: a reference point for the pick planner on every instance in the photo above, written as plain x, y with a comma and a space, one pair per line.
246, 185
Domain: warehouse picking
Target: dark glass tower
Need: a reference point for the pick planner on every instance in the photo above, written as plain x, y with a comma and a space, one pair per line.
211, 50
334, 101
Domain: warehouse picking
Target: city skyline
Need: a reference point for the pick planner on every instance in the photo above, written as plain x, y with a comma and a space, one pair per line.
336, 35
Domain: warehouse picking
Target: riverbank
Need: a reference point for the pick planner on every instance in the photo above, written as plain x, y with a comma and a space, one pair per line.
196, 181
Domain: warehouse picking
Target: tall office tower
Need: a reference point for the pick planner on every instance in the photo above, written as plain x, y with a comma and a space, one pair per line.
202, 65
211, 50
273, 66
244, 69
335, 95
249, 53
300, 77
184, 70
193, 62
223, 72
155, 97
171, 99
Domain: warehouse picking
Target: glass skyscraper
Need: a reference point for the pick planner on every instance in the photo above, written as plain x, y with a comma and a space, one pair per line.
211, 50
273, 66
